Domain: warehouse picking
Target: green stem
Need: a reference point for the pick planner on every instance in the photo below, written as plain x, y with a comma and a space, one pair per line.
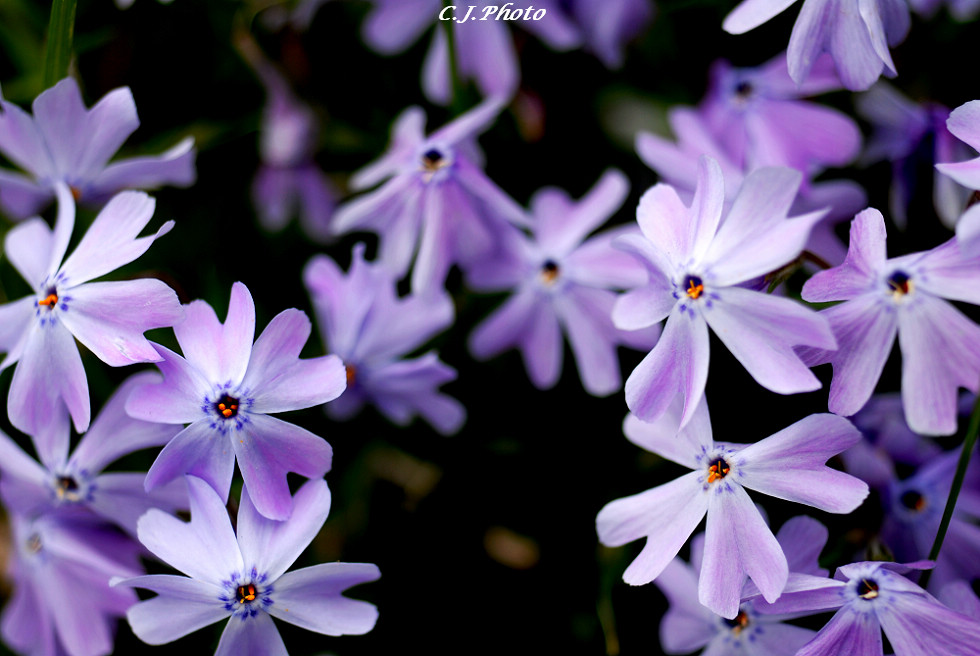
969, 441
57, 53
455, 86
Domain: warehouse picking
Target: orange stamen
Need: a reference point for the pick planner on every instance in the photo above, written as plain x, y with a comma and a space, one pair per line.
52, 299
716, 472
246, 593
694, 291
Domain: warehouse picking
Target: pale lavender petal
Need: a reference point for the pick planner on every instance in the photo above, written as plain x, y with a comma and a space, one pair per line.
112, 240
63, 226
435, 254
940, 353
809, 35
542, 346
102, 316
220, 351
486, 54
738, 543
560, 233
177, 400
598, 263
790, 464
274, 196
665, 515
782, 639
63, 122
865, 335
171, 167
499, 206
470, 124
268, 449
48, 377
205, 548
678, 364
918, 624
15, 323
182, 607
271, 546
79, 623
706, 208
506, 326
122, 498
21, 141
28, 247
802, 539
750, 14
662, 437
846, 634
436, 84
642, 307
947, 272
585, 315
26, 623
804, 593
21, 196
393, 26
663, 218
114, 433
317, 198
199, 450
687, 625
406, 388
419, 318
383, 208
15, 463
310, 598
251, 635
103, 131
968, 231
407, 132
851, 44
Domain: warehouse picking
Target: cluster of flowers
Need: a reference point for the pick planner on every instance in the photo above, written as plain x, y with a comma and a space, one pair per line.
737, 211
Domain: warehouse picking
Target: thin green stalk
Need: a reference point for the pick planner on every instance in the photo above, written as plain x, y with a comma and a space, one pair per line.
455, 86
57, 52
969, 441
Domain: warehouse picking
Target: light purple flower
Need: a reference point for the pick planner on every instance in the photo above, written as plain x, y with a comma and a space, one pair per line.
38, 332
65, 142
371, 329
435, 200
788, 465
900, 296
563, 282
688, 626
856, 33
243, 578
607, 25
226, 388
485, 50
873, 596
289, 181
964, 123
696, 262
77, 483
902, 130
756, 114
61, 602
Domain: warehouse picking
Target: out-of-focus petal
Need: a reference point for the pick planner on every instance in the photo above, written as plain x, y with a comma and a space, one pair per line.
172, 167
750, 14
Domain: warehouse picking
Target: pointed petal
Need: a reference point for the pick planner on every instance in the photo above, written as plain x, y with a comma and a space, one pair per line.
561, 233
182, 607
750, 14
271, 546
199, 450
174, 166
504, 328
809, 36
662, 437
802, 538
220, 351
310, 598
122, 498
251, 635
176, 400
28, 247
205, 548
267, 450
584, 313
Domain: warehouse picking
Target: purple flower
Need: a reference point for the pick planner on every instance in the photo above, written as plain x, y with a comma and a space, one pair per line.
563, 282
65, 142
788, 465
756, 114
243, 578
371, 329
484, 49
38, 332
904, 296
871, 597
607, 25
288, 180
687, 625
62, 602
906, 133
964, 123
856, 33
225, 389
696, 263
436, 199
77, 482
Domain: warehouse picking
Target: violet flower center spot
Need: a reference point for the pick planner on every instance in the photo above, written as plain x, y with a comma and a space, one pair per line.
867, 589
227, 406
693, 286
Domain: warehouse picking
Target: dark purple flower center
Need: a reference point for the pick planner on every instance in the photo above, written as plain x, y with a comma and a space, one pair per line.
432, 159
550, 271
913, 500
743, 90
693, 286
227, 406
900, 283
867, 589
66, 488
718, 469
738, 623
246, 593
50, 301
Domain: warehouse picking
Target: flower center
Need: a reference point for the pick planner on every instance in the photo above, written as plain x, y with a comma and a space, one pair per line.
245, 593
867, 589
34, 543
51, 300
66, 488
550, 272
351, 372
913, 500
718, 469
743, 90
227, 406
693, 286
433, 160
900, 284
739, 622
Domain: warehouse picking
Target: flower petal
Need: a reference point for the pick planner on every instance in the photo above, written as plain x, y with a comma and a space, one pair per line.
199, 450
251, 635
182, 607
174, 166
205, 548
750, 14
847, 634
176, 400
865, 256
310, 598
271, 546
220, 351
